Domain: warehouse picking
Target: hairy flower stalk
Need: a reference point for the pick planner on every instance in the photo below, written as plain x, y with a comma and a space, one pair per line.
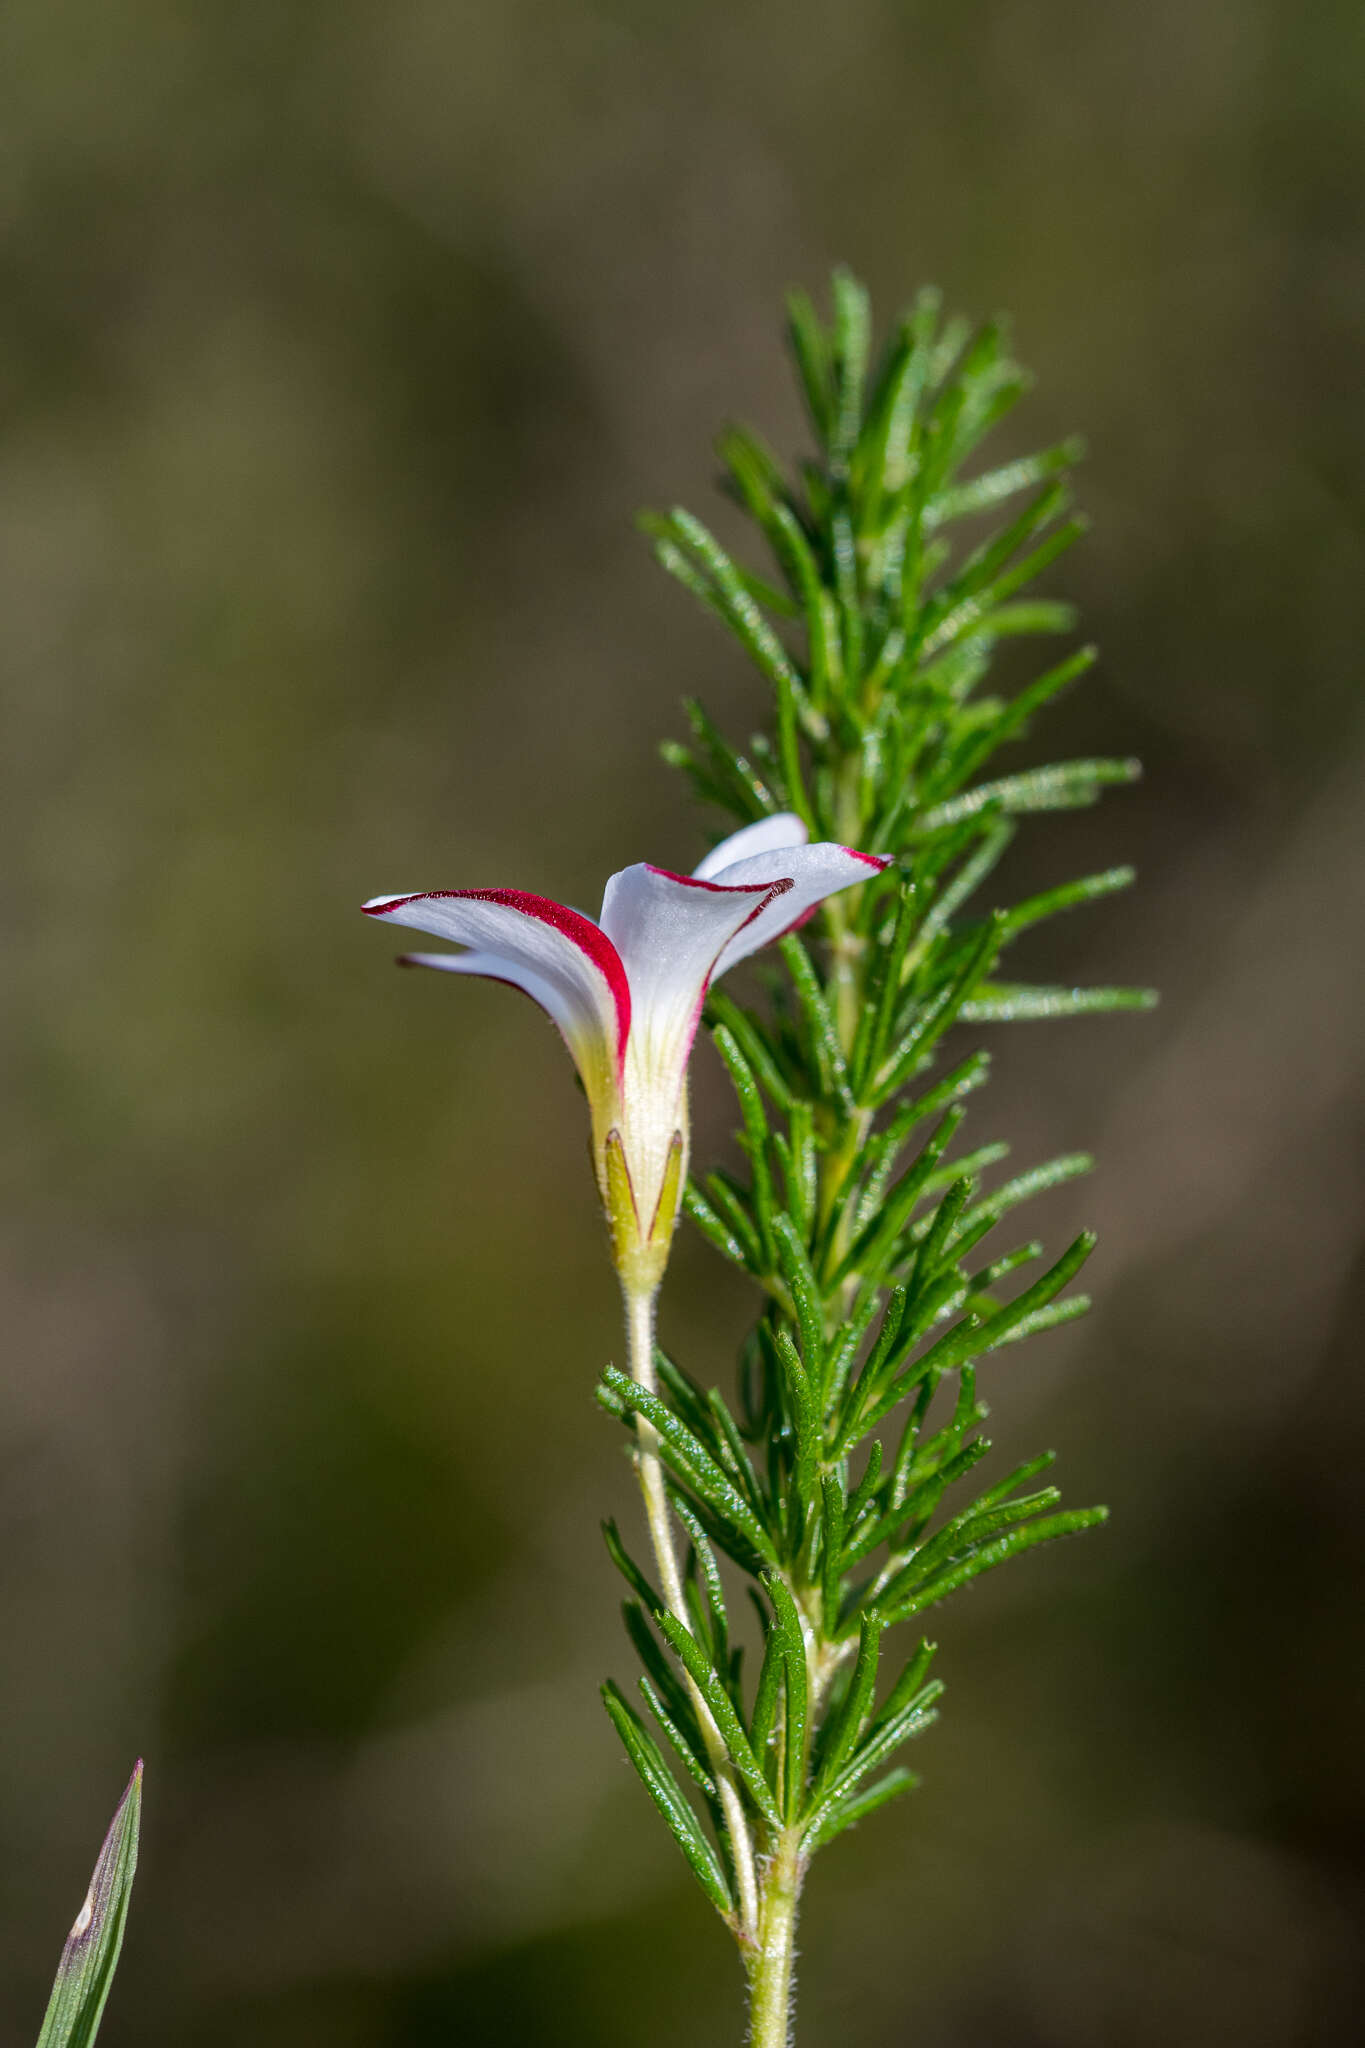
837, 1482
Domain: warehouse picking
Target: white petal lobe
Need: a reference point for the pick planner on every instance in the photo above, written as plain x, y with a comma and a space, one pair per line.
769, 835
814, 872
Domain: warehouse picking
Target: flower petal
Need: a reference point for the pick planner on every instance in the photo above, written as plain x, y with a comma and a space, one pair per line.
669, 931
560, 958
769, 835
814, 872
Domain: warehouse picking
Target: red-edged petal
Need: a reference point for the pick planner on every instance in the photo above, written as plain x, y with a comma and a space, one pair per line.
560, 958
812, 872
669, 930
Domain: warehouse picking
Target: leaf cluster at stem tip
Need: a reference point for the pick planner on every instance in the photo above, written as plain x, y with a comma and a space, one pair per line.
842, 1480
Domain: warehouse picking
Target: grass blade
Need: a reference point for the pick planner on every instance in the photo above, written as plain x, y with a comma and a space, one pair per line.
90, 1957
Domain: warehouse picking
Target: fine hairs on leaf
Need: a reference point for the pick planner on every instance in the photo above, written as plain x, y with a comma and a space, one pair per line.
847, 1481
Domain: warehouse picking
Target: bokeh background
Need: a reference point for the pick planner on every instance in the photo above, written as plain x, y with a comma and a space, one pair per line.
338, 343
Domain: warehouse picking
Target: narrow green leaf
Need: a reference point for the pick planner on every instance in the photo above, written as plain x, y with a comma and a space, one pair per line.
851, 339
1049, 1318
91, 1954
662, 1673
810, 346
938, 1014
1013, 1002
699, 1211
832, 1538
742, 789
848, 1812
662, 1787
857, 1705
766, 1694
970, 1339
731, 598
875, 1246
756, 1135
710, 1578
730, 1446
997, 484
723, 1009
908, 1686
797, 1689
640, 1585
729, 1203
1070, 1522
1013, 718
824, 1037
801, 1286
1029, 1470
965, 1533
1036, 1181
805, 1411
865, 1492
884, 993
693, 1462
678, 1742
1089, 889
709, 1684
1065, 786
883, 1740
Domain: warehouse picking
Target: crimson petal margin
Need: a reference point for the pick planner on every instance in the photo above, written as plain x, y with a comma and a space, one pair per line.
812, 873
560, 958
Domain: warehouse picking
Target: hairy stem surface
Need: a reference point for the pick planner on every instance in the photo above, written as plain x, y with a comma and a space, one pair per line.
772, 1978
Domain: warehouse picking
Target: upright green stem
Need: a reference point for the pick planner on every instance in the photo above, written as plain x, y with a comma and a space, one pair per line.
640, 1335
772, 1972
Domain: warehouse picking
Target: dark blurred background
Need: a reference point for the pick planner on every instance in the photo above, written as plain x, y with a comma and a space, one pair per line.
338, 343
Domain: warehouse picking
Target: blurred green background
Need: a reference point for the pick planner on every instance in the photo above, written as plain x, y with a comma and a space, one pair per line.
338, 343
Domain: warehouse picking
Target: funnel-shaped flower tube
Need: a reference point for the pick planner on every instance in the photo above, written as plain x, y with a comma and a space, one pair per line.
627, 992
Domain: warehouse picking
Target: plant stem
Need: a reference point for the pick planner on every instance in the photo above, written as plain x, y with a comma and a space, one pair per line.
640, 1335
771, 1975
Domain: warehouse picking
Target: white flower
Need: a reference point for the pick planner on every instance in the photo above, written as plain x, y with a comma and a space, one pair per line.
627, 992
